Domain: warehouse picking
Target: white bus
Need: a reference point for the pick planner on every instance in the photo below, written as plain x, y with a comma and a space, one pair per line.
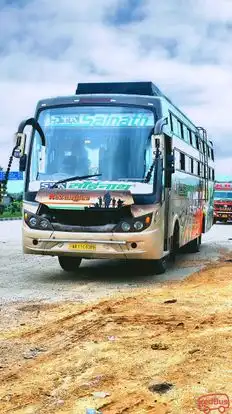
115, 171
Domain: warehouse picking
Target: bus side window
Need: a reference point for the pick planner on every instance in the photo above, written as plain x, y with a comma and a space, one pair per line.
209, 173
200, 145
182, 161
205, 171
180, 129
212, 154
189, 133
203, 147
191, 166
193, 139
186, 134
202, 170
171, 121
174, 125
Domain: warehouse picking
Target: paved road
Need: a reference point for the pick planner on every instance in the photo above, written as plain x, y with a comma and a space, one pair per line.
40, 278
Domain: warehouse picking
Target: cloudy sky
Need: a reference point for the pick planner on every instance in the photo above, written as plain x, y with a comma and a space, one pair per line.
184, 46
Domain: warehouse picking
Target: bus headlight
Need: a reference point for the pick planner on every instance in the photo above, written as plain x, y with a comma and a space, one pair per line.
135, 224
45, 224
138, 225
37, 222
125, 226
32, 222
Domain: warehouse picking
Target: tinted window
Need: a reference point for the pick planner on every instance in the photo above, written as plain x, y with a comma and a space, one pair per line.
171, 122
193, 139
191, 166
186, 134
212, 154
180, 130
182, 161
174, 125
190, 136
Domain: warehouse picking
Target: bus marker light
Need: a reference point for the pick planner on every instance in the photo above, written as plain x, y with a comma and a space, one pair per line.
148, 220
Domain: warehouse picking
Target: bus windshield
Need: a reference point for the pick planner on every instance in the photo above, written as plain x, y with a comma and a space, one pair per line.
223, 195
113, 141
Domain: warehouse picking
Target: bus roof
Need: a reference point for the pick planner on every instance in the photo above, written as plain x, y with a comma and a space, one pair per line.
125, 90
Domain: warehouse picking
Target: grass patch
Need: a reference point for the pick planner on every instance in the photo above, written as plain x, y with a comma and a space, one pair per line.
8, 214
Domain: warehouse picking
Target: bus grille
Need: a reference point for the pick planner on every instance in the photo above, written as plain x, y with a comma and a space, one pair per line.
90, 218
223, 207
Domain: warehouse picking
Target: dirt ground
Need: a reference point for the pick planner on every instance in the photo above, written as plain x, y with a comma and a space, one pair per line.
53, 358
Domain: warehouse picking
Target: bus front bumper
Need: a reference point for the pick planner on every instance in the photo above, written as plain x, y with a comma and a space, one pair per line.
223, 215
145, 245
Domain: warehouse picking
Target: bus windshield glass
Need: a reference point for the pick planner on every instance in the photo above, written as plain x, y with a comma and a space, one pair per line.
223, 195
113, 141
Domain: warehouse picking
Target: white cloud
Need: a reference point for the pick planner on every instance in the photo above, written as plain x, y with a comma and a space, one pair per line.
184, 47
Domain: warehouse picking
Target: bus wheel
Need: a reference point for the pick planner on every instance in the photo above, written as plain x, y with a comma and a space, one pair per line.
194, 245
161, 265
68, 263
175, 244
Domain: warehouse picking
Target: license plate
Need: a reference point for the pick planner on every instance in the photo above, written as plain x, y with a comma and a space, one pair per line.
82, 246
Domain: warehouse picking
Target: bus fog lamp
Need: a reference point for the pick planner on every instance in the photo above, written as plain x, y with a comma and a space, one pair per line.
33, 222
138, 225
125, 226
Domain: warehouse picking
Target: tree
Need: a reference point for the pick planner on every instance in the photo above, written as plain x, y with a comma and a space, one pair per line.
1, 168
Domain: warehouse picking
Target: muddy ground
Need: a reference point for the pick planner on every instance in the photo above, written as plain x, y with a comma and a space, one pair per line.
54, 357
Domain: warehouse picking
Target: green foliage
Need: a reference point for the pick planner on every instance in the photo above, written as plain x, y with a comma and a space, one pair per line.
14, 209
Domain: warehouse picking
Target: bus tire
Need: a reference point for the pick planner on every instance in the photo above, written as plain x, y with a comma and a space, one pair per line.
161, 265
194, 245
175, 243
69, 263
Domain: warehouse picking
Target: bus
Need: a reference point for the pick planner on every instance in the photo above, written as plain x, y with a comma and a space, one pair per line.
116, 171
222, 201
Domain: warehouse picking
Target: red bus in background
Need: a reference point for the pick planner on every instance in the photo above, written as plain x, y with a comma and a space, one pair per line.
223, 201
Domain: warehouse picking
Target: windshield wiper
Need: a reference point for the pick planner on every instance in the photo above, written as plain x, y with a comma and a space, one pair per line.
75, 178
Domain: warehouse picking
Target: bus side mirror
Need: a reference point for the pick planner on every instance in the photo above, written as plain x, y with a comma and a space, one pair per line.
19, 143
155, 144
20, 136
